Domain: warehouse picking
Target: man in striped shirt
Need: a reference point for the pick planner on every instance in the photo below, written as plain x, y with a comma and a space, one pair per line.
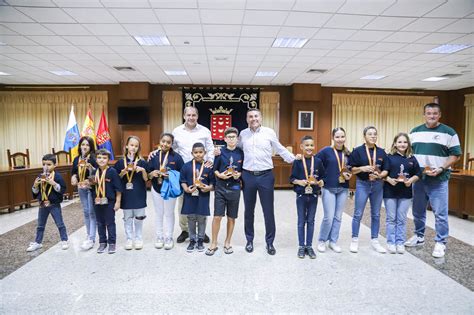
436, 147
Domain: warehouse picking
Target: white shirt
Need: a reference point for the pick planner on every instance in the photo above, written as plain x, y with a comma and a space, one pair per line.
185, 138
258, 149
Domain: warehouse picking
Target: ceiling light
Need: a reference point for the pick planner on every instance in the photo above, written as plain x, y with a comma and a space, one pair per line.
448, 48
152, 40
62, 72
373, 77
2, 44
175, 72
266, 73
434, 79
288, 42
4, 73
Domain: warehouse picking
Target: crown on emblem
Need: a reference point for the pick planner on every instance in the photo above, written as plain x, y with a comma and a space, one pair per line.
220, 110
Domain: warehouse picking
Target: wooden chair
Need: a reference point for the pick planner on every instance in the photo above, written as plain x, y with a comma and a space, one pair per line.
62, 157
469, 161
18, 159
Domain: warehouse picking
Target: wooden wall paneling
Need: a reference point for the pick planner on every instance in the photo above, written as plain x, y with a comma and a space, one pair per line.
134, 90
141, 131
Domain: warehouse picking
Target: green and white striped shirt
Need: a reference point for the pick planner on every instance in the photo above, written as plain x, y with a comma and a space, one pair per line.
433, 146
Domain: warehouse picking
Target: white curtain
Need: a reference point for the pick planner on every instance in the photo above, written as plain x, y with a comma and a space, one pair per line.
469, 135
38, 120
390, 114
270, 108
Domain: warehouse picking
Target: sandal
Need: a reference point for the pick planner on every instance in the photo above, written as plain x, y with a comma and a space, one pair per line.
211, 251
228, 250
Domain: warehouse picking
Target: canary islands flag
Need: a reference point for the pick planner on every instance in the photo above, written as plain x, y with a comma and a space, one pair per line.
88, 127
71, 141
103, 136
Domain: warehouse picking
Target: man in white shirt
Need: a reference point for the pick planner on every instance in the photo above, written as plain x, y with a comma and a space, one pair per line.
258, 143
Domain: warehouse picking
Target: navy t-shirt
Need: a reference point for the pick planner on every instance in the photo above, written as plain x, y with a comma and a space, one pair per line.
175, 162
54, 196
75, 166
359, 157
297, 172
222, 162
392, 164
200, 204
331, 167
113, 183
133, 198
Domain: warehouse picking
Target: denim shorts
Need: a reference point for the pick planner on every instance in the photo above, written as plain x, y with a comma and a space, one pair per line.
226, 200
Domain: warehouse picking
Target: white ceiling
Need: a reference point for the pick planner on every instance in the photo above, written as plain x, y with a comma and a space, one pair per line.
349, 38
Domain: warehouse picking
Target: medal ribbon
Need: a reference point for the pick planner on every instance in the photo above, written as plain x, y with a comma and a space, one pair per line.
194, 171
340, 163
100, 179
44, 194
128, 174
374, 158
165, 161
82, 169
306, 168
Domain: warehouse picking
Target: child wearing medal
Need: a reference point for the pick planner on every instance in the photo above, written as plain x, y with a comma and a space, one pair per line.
49, 188
367, 162
336, 189
197, 182
306, 177
402, 170
160, 166
133, 171
106, 188
82, 167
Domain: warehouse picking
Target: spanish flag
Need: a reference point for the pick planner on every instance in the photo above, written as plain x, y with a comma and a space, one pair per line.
88, 128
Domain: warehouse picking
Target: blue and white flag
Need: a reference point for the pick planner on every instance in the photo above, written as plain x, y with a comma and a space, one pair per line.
71, 141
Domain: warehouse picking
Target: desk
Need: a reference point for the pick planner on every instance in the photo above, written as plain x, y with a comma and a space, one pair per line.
461, 193
15, 184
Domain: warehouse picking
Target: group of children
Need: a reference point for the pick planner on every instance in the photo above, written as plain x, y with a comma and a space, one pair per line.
104, 189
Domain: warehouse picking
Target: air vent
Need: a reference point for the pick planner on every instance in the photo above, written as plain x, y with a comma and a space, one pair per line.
124, 68
320, 71
451, 75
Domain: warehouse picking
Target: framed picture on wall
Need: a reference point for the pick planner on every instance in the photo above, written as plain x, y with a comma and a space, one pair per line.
305, 120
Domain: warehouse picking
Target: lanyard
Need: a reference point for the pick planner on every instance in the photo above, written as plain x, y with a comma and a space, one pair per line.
306, 168
340, 164
44, 194
129, 175
194, 172
164, 162
100, 179
374, 158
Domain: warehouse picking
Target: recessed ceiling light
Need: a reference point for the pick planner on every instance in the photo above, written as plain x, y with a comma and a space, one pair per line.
289, 42
373, 77
175, 72
62, 72
2, 44
266, 73
152, 40
448, 48
4, 73
434, 79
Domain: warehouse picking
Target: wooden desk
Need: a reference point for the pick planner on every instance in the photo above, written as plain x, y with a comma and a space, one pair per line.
282, 172
15, 184
461, 193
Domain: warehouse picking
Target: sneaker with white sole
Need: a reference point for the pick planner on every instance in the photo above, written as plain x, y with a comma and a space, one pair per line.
392, 249
64, 245
169, 244
401, 249
128, 245
138, 244
34, 246
159, 243
336, 248
439, 250
414, 241
354, 247
377, 247
321, 247
87, 244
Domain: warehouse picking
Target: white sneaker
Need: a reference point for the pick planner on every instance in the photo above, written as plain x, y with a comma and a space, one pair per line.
354, 247
321, 247
415, 240
169, 244
336, 248
377, 247
401, 249
34, 246
392, 249
159, 243
87, 244
129, 245
138, 244
439, 250
64, 245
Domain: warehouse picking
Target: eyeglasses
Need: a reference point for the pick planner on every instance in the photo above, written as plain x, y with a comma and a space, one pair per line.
231, 137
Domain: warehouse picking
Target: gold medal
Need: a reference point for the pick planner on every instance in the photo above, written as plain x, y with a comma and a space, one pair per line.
45, 192
372, 160
100, 186
130, 168
197, 175
341, 165
310, 178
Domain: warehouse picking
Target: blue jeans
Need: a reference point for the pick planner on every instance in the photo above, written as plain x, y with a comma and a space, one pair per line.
397, 210
90, 221
367, 190
43, 214
436, 192
334, 200
306, 205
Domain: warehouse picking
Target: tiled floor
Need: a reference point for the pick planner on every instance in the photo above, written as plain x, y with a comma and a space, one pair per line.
154, 280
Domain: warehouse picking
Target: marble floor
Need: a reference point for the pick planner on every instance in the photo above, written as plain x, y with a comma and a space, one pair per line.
159, 281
